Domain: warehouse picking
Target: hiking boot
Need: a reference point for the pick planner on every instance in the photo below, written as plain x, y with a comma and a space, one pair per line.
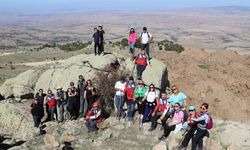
162, 138
151, 129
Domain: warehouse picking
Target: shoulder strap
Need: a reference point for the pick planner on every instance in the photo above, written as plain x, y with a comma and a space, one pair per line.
148, 35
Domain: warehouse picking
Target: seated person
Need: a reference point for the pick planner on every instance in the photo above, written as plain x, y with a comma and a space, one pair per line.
93, 117
177, 119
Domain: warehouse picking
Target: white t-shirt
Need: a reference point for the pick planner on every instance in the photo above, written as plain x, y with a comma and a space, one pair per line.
151, 96
120, 85
144, 37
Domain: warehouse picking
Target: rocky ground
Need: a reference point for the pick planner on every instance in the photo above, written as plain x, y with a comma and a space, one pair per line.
17, 129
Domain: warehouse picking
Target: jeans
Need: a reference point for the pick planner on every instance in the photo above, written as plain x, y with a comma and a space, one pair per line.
148, 111
141, 106
131, 109
83, 106
51, 113
146, 46
37, 121
131, 50
119, 102
140, 69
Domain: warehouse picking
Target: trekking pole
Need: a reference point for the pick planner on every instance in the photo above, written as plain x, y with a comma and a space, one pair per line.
119, 109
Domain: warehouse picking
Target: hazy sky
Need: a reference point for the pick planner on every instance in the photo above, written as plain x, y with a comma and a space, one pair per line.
37, 6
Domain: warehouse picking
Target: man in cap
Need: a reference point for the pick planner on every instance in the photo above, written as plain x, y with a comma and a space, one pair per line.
61, 103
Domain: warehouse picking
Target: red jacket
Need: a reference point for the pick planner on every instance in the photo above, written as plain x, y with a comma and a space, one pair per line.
161, 105
196, 115
51, 101
95, 114
129, 90
141, 59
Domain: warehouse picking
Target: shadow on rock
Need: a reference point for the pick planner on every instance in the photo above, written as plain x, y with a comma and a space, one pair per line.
4, 146
67, 146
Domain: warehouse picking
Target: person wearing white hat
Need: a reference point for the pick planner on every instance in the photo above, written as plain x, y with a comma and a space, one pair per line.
61, 104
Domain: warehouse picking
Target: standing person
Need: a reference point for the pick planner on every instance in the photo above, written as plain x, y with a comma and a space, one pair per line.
191, 125
81, 90
146, 38
94, 116
72, 101
139, 94
129, 91
131, 42
141, 62
61, 104
50, 100
100, 28
201, 130
97, 40
162, 104
37, 112
178, 97
119, 97
89, 93
151, 98
40, 96
176, 120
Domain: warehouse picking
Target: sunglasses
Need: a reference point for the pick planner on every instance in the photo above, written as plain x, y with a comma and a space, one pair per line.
176, 106
174, 89
202, 108
190, 110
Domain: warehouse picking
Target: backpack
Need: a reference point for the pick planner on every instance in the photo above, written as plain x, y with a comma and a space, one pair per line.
185, 118
147, 34
210, 123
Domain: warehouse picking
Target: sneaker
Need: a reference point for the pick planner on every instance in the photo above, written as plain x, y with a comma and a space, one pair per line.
162, 138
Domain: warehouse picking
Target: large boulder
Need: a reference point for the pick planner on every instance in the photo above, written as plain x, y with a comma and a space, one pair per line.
62, 74
21, 86
155, 73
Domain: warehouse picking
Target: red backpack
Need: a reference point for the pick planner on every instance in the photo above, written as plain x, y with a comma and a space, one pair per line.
210, 123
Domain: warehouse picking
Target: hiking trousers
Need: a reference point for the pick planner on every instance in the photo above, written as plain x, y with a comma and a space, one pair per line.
97, 48
91, 125
119, 102
131, 109
72, 107
187, 137
140, 69
101, 47
197, 139
154, 120
146, 47
37, 121
61, 111
168, 129
140, 106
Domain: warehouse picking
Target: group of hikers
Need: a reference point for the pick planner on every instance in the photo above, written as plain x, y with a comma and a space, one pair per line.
150, 103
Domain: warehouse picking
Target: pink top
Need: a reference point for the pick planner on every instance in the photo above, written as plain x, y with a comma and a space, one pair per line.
178, 116
132, 38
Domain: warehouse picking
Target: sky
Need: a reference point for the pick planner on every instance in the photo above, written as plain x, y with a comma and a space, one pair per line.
38, 6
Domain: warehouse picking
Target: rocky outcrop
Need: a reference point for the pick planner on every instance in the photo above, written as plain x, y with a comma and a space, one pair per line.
155, 73
21, 86
61, 74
